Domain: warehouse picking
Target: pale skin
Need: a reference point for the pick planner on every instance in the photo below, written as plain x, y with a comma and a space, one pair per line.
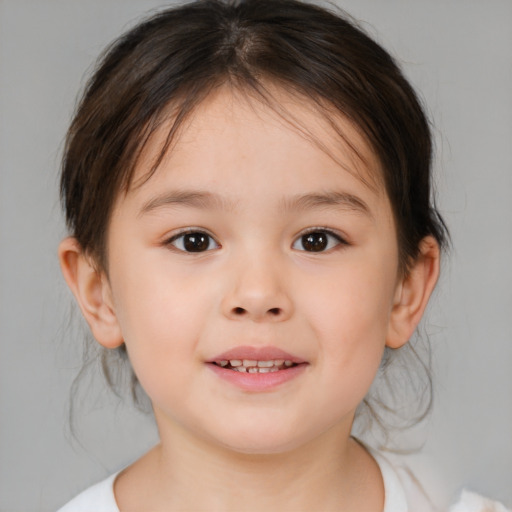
254, 186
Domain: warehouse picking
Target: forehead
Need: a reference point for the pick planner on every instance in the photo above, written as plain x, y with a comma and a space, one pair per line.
278, 119
261, 165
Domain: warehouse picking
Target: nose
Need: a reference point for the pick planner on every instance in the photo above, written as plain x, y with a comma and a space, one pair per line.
258, 292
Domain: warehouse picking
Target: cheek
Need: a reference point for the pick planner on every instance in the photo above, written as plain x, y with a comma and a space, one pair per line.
350, 316
161, 318
353, 304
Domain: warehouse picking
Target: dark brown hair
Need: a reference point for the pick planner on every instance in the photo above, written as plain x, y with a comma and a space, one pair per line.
167, 65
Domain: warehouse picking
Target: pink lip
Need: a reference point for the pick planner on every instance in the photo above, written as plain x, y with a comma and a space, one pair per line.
256, 353
257, 382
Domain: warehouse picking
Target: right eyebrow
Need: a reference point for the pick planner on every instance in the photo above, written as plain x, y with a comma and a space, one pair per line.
189, 198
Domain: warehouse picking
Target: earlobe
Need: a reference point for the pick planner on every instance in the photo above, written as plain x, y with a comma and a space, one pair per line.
413, 292
92, 292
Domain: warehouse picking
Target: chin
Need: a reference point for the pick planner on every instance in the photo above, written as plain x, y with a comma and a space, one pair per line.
270, 441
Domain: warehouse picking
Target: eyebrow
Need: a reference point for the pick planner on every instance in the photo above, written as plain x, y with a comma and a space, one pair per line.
188, 198
332, 199
302, 202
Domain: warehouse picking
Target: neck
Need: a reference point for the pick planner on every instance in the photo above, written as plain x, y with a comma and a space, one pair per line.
333, 472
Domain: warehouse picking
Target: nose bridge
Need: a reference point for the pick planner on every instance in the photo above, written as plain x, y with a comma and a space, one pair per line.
258, 287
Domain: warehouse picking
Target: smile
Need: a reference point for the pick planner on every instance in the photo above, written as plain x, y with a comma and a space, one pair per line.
254, 366
257, 369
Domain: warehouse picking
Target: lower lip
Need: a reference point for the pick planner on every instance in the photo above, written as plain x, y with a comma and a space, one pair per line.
258, 382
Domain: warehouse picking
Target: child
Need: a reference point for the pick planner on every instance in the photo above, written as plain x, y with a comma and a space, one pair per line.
247, 186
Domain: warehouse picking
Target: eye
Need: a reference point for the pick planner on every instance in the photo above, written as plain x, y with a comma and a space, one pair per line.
193, 241
318, 241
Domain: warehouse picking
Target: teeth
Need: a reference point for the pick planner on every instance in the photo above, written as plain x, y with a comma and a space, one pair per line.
255, 369
254, 366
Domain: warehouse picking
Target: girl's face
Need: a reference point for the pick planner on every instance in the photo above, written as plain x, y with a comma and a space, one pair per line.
251, 242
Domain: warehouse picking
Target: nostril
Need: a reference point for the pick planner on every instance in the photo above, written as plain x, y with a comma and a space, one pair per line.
238, 311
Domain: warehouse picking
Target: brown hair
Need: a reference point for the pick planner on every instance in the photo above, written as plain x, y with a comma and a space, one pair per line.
174, 60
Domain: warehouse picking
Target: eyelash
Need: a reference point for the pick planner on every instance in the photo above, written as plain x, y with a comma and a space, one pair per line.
328, 241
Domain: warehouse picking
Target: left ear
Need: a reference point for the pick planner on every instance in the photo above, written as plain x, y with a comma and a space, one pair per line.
413, 292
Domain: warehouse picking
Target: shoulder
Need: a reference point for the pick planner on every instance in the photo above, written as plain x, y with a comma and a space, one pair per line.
404, 493
99, 497
472, 502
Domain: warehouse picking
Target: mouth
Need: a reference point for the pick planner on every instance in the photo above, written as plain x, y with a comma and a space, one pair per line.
257, 369
255, 366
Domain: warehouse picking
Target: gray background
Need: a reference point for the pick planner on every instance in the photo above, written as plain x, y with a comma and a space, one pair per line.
458, 53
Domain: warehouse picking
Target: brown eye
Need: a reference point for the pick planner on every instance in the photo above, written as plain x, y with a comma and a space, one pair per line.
194, 242
317, 241
314, 242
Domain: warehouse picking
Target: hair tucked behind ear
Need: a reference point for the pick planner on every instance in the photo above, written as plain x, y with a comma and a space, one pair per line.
167, 65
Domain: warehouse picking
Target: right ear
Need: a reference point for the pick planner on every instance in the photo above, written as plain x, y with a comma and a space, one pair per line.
92, 292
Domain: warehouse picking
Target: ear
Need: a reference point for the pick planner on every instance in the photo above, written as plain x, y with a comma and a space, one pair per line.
412, 294
92, 292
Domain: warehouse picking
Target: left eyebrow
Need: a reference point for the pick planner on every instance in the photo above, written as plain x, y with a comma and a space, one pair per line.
332, 199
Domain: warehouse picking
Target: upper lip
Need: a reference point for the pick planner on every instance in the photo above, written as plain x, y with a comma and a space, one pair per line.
265, 353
